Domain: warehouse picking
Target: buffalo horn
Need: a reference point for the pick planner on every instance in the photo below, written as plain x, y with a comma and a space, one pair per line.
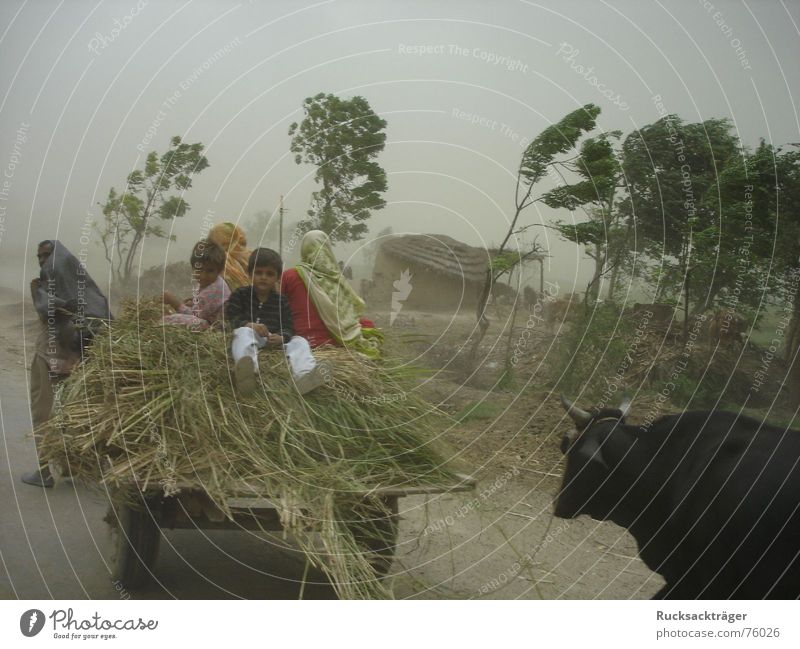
580, 417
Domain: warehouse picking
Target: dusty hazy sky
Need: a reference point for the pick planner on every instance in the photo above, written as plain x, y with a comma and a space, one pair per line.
87, 84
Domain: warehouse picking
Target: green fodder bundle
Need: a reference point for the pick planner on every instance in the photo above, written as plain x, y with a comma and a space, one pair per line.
155, 408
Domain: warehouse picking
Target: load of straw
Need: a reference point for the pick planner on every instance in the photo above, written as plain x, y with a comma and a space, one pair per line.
154, 406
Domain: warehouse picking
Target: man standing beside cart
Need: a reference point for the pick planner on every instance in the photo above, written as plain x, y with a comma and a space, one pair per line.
69, 305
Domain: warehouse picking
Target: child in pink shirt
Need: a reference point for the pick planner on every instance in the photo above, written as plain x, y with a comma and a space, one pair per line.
209, 294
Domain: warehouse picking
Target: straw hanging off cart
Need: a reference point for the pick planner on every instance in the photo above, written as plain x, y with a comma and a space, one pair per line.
152, 415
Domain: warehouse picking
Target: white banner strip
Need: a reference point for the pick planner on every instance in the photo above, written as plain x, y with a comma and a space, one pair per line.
401, 624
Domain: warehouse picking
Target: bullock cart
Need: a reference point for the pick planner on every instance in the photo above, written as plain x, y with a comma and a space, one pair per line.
138, 518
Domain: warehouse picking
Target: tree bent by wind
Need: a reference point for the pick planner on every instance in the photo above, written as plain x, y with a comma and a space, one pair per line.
147, 203
537, 160
342, 138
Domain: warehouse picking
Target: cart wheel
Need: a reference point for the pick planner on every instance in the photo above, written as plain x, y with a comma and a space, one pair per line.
379, 535
137, 545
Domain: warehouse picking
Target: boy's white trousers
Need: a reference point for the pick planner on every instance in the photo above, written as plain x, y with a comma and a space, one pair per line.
247, 342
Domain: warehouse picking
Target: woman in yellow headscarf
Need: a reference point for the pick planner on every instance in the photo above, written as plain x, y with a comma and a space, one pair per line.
231, 238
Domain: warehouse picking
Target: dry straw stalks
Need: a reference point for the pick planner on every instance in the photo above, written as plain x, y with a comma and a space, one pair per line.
154, 408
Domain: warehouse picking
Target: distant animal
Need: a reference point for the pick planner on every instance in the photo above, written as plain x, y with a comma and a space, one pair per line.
529, 297
500, 290
661, 313
726, 328
556, 311
712, 498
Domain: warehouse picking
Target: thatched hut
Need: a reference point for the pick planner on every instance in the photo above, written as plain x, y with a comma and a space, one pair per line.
428, 272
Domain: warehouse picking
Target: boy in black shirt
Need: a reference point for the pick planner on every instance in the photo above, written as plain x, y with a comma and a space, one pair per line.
260, 317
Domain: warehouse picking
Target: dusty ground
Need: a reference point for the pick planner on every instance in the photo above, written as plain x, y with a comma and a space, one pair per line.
502, 541
498, 542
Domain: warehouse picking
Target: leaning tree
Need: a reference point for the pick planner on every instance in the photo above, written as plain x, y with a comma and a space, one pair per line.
538, 158
606, 233
146, 203
672, 169
342, 138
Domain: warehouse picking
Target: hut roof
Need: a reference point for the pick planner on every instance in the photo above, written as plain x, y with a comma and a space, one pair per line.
442, 254
439, 253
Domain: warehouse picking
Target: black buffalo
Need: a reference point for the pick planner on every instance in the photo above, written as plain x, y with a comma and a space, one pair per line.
712, 498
